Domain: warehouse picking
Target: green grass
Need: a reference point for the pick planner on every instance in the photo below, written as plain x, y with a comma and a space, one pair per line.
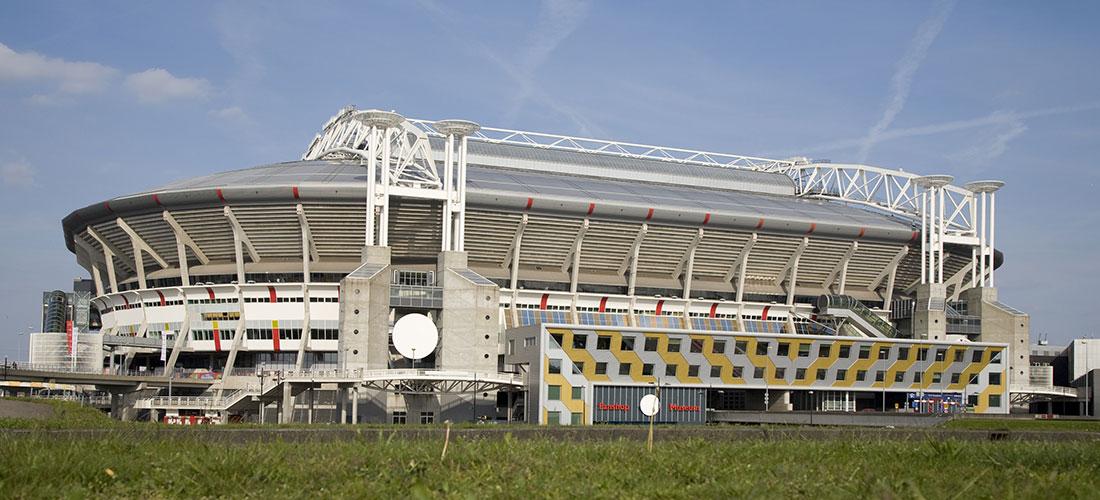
376, 465
1024, 424
66, 415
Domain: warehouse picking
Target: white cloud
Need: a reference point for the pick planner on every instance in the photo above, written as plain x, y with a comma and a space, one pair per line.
992, 144
902, 80
17, 174
69, 77
158, 85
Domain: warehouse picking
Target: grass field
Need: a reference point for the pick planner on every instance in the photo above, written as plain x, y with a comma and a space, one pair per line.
66, 415
1024, 424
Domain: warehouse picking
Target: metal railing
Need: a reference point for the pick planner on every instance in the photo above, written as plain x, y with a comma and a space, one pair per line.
826, 302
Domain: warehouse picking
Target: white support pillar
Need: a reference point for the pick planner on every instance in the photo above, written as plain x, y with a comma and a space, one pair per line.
184, 241
983, 244
890, 268
992, 238
573, 259
630, 262
687, 265
986, 231
512, 264
372, 185
456, 223
182, 335
740, 267
387, 165
924, 237
98, 279
108, 258
448, 183
841, 268
790, 270
309, 252
461, 226
942, 234
240, 238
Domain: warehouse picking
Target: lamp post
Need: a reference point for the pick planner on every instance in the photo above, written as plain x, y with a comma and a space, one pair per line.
813, 407
260, 374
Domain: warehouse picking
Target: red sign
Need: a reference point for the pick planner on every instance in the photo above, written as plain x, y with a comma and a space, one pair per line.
612, 407
676, 407
69, 334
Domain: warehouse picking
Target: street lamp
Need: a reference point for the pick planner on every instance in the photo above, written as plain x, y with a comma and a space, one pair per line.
813, 407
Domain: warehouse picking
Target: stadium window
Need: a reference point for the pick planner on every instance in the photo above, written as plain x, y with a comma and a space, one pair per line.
758, 372
693, 370
740, 347
780, 373
861, 375
553, 392
738, 372
918, 377
673, 345
651, 344
580, 341
558, 338
800, 374
972, 400
841, 374
903, 353
578, 393
555, 366
601, 368
824, 350
804, 350
880, 375
399, 417
761, 348
995, 400
899, 377
954, 378
959, 354
883, 352
822, 373
603, 343
624, 368
995, 358
627, 344
864, 352
784, 349
937, 377
647, 369
977, 356
922, 354
553, 418
995, 378
716, 371
845, 351
719, 347
696, 345
578, 368
670, 370
427, 417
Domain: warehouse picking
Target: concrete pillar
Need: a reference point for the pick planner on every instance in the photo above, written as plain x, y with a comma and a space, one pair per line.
309, 413
342, 403
779, 400
1002, 326
355, 405
929, 314
286, 408
365, 313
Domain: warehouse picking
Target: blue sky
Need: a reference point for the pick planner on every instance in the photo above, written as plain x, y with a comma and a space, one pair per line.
100, 99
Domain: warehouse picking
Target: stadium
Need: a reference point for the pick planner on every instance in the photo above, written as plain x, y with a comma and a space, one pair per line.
564, 278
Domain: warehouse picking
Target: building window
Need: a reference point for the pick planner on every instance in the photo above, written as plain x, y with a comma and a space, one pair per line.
977, 356
937, 377
580, 341
822, 373
740, 347
899, 377
804, 350
918, 377
673, 345
558, 339
574, 419
880, 375
973, 379
651, 344
647, 369
427, 417
627, 344
670, 370
845, 351
972, 400
555, 366
601, 368
994, 400
511, 347
995, 357
954, 378
800, 374
994, 379
553, 392
399, 417
738, 372
864, 352
959, 354
903, 353
761, 348
784, 349
719, 347
716, 371
938, 354
578, 393
696, 345
861, 375
553, 418
780, 373
624, 368
578, 368
693, 370
528, 341
922, 354
883, 352
842, 374
758, 372
603, 343
824, 350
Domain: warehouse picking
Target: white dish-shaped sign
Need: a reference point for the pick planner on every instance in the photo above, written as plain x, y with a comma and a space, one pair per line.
649, 405
415, 336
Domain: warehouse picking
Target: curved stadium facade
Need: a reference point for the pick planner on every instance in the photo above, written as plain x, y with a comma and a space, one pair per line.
566, 277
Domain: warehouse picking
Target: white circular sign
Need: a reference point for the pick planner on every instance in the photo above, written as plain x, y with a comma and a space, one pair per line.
415, 336
649, 405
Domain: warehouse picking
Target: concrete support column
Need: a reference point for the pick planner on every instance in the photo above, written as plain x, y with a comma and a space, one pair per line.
355, 405
286, 415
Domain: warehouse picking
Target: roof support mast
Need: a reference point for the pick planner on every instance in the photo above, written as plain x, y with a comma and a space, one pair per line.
454, 209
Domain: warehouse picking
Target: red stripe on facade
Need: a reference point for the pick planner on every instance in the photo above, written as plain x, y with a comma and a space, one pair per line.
125, 301
706, 218
649, 215
542, 302
714, 310
760, 224
275, 335
591, 208
271, 294
914, 238
603, 304
217, 340
862, 230
210, 292
156, 199
162, 301
813, 227
530, 203
764, 315
295, 191
107, 205
221, 196
660, 306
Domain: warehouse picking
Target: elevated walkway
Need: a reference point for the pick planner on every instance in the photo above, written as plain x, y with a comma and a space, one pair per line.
23, 372
856, 314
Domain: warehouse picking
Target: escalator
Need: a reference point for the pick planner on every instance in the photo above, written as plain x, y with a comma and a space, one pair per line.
856, 314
